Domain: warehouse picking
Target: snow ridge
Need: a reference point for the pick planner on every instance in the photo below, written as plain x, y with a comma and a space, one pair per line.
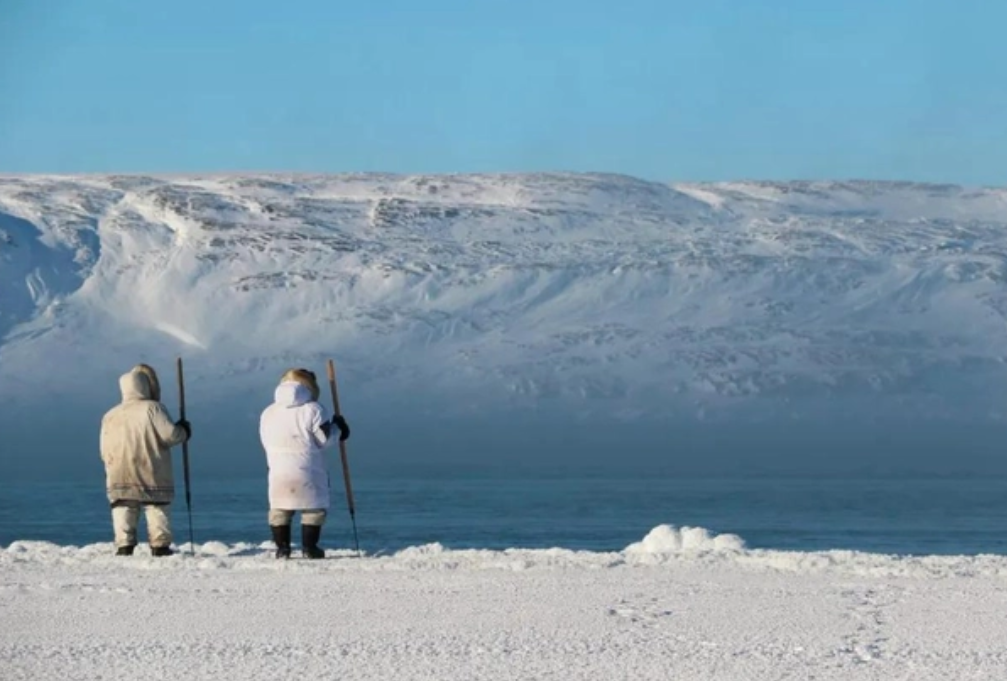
664, 545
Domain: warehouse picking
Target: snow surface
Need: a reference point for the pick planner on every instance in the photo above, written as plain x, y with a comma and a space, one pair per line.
592, 293
679, 604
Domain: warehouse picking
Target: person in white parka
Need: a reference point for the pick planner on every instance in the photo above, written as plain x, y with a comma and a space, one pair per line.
295, 434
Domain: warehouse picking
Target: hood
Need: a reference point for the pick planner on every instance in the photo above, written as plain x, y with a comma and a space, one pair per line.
291, 394
135, 386
304, 377
155, 385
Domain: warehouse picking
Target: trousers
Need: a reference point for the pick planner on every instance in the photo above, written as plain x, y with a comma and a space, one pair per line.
313, 516
126, 517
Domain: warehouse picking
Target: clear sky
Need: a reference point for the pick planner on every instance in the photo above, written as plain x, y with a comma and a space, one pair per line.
660, 89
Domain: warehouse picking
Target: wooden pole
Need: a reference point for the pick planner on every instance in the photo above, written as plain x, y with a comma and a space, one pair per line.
185, 452
342, 455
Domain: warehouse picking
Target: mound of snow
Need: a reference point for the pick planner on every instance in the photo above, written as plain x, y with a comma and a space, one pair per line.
667, 539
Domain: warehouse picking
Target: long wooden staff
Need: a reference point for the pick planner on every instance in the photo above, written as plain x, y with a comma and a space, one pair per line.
185, 453
342, 456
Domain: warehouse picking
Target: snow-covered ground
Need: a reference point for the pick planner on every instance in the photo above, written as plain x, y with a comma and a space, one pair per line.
680, 604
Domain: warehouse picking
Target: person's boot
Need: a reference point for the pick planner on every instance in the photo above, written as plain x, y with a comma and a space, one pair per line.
281, 537
310, 534
124, 551
161, 551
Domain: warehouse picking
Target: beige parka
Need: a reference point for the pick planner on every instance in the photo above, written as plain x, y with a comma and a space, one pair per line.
136, 440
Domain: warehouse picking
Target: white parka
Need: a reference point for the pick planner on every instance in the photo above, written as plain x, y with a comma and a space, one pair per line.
291, 433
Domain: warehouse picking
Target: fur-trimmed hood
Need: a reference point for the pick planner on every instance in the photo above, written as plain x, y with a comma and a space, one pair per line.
303, 377
291, 394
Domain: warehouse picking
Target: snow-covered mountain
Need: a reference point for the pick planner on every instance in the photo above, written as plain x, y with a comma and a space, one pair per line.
587, 294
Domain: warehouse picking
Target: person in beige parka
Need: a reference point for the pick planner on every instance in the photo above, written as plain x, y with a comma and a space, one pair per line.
136, 440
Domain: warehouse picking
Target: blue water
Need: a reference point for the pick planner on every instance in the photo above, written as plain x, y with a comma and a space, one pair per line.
923, 516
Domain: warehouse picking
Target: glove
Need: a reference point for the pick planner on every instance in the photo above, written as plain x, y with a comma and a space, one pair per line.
186, 426
344, 428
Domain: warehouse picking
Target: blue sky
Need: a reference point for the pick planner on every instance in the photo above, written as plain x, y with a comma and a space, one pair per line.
665, 90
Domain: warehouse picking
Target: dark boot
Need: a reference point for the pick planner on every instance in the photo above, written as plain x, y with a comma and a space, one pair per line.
161, 551
124, 551
281, 537
310, 534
